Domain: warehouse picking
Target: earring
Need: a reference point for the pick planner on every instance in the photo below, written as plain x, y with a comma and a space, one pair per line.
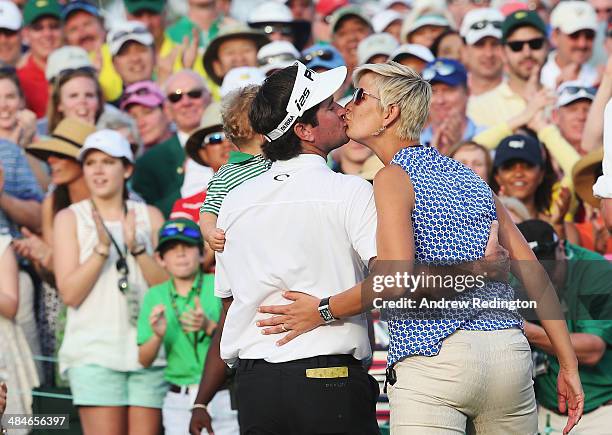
379, 131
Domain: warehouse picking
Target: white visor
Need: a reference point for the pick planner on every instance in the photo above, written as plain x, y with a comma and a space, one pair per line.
309, 89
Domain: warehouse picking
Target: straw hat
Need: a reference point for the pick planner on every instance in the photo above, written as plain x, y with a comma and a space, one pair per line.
585, 174
67, 139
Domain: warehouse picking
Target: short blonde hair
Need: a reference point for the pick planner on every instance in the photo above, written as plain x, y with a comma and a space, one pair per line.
400, 85
235, 108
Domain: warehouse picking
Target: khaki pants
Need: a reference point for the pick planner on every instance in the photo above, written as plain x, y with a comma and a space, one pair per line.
479, 383
597, 422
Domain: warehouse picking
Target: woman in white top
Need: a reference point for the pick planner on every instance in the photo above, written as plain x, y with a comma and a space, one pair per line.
103, 266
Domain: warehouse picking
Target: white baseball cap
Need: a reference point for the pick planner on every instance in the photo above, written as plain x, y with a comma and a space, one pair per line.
277, 55
480, 23
240, 77
68, 57
110, 142
574, 90
429, 19
128, 31
378, 43
383, 19
416, 50
10, 16
572, 16
388, 3
309, 89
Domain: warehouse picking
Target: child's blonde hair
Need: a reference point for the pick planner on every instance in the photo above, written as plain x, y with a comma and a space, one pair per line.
235, 113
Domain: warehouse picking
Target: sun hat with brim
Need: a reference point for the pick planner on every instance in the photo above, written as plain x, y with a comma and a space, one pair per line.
134, 6
211, 122
230, 31
35, 9
67, 139
585, 174
179, 230
109, 142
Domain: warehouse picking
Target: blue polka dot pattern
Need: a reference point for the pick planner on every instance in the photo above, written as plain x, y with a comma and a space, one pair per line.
452, 217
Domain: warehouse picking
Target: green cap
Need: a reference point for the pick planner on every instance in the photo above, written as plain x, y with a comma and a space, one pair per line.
134, 6
521, 19
183, 230
35, 9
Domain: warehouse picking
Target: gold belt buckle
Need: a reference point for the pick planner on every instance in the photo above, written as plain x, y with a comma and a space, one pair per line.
327, 372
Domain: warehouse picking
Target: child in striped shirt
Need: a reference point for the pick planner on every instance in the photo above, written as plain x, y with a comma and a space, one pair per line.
242, 165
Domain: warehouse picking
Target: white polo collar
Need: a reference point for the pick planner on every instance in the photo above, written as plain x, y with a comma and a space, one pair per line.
301, 161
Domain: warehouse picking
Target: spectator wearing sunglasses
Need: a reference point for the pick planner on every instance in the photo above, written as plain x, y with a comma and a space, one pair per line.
574, 24
277, 22
448, 122
159, 173
144, 101
235, 45
43, 31
574, 100
131, 46
482, 53
103, 263
524, 52
11, 22
582, 281
181, 315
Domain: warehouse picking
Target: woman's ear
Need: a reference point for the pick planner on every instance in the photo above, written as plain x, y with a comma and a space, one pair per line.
390, 114
129, 170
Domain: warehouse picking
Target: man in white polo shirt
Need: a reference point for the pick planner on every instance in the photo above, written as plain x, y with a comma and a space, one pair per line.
298, 226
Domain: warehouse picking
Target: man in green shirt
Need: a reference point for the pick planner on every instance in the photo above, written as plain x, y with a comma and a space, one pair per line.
182, 314
582, 279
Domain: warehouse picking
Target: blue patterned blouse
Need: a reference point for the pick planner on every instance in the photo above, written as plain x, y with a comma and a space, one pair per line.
452, 216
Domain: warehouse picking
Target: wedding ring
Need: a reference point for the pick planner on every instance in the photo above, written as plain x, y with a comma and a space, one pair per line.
283, 328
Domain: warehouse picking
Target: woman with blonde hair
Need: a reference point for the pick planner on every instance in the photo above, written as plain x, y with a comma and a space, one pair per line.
450, 369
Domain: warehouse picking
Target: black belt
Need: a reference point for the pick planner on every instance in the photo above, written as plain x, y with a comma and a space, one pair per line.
319, 361
185, 389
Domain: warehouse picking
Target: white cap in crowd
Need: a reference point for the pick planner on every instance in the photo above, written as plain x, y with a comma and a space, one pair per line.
240, 77
572, 16
376, 44
277, 55
128, 31
271, 12
384, 19
388, 3
68, 57
10, 16
574, 90
110, 142
416, 50
480, 23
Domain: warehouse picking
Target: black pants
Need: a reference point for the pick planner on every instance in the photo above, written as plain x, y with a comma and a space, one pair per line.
280, 399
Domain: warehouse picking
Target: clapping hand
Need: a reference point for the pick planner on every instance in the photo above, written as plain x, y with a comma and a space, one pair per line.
157, 320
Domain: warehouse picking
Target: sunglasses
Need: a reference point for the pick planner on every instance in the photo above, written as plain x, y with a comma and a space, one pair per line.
588, 34
359, 96
479, 25
8, 70
177, 95
283, 30
573, 90
173, 230
438, 68
534, 44
137, 31
322, 54
279, 58
213, 138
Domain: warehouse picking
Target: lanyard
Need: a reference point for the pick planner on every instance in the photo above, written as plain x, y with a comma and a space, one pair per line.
196, 289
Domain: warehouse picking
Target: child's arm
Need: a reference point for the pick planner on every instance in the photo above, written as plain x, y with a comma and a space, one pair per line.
147, 352
215, 237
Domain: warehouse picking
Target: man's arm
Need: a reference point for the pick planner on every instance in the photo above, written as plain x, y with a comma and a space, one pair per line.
213, 378
24, 212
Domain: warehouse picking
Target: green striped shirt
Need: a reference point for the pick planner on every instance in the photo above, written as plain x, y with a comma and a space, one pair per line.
240, 168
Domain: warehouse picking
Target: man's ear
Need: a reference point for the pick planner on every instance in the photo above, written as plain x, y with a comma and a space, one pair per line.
303, 132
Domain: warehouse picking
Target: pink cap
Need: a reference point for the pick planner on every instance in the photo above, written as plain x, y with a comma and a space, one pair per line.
513, 6
145, 93
327, 7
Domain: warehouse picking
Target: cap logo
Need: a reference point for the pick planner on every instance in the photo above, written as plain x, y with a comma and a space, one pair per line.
516, 144
520, 15
41, 3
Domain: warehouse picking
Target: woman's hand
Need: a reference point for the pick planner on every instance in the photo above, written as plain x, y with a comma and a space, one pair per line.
570, 396
297, 318
33, 248
103, 237
129, 230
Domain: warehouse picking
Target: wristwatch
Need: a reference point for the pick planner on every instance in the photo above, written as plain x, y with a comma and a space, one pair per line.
325, 312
